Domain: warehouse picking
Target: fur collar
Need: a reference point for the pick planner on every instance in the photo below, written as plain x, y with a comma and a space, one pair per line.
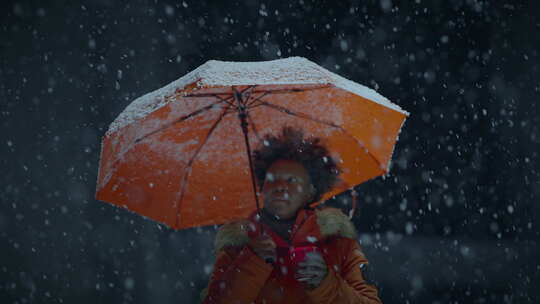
331, 222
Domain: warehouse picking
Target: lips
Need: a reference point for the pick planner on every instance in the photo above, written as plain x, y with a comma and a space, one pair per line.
280, 199
280, 196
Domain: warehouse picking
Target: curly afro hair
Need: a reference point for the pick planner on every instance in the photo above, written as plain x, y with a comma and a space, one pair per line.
310, 152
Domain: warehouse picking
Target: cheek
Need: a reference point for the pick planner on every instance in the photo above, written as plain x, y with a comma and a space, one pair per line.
266, 186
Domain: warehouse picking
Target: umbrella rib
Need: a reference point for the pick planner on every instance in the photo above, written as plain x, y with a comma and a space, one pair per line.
248, 91
194, 113
297, 114
251, 102
294, 90
278, 91
205, 95
282, 91
308, 117
192, 160
215, 94
185, 117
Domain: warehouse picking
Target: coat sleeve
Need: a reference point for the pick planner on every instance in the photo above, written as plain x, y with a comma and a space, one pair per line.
238, 276
345, 283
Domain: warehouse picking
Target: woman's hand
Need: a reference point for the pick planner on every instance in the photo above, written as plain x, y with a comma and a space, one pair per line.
264, 247
312, 271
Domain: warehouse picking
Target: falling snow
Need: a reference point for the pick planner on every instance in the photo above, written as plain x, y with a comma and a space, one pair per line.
454, 220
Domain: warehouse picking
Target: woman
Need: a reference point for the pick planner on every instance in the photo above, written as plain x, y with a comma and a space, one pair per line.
256, 261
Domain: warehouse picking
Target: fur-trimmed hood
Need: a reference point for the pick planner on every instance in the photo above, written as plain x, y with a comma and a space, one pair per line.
328, 222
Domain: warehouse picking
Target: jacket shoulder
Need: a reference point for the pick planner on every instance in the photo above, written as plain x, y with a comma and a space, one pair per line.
333, 222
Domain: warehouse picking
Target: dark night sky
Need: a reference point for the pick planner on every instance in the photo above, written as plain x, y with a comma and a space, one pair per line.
456, 221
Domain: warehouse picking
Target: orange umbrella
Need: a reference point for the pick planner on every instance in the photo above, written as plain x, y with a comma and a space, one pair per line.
179, 155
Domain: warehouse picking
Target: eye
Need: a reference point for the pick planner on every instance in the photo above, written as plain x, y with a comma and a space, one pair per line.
292, 179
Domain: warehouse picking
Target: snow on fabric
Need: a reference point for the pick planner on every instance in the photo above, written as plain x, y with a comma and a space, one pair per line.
293, 70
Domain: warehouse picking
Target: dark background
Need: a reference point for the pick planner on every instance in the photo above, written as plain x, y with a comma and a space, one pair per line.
456, 221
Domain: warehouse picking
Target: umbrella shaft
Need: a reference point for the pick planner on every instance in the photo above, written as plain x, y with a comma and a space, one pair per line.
242, 115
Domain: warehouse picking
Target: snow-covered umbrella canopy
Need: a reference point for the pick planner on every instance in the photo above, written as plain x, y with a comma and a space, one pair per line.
178, 154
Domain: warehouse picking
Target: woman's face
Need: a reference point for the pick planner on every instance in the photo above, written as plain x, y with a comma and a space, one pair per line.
287, 188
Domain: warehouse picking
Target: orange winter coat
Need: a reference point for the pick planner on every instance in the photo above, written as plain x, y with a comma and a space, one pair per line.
240, 276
